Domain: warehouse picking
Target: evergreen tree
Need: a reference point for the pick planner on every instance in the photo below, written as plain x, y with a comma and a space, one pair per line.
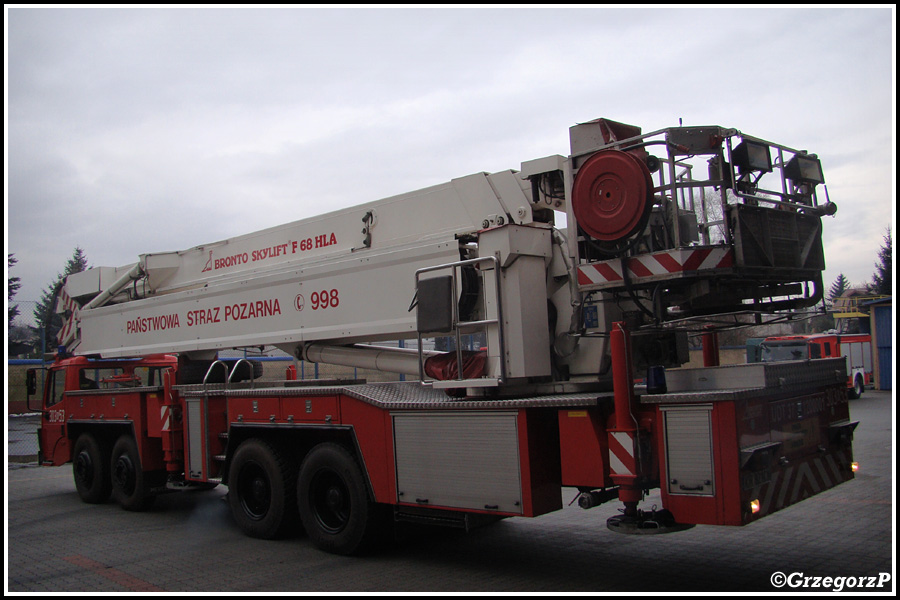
840, 285
12, 286
45, 312
882, 279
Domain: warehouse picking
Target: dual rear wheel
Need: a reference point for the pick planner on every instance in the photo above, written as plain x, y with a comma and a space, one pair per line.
268, 493
100, 472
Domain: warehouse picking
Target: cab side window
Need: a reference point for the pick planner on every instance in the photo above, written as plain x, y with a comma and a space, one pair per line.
85, 382
104, 378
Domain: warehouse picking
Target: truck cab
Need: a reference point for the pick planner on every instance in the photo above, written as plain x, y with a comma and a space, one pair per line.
87, 406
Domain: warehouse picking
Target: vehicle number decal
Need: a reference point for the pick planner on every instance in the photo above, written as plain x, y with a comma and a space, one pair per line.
324, 299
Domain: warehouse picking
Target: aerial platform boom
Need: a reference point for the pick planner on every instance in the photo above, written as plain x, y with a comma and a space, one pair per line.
646, 240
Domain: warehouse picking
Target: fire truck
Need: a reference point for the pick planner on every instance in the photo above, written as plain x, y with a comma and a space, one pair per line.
856, 349
583, 277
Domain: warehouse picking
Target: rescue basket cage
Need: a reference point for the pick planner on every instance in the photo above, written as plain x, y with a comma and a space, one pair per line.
749, 208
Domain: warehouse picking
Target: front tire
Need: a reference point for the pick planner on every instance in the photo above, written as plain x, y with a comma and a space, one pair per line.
261, 483
90, 469
334, 501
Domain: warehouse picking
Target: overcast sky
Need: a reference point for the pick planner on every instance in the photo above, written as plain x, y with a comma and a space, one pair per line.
135, 130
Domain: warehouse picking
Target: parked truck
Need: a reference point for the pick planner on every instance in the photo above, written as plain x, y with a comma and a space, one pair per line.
856, 349
654, 247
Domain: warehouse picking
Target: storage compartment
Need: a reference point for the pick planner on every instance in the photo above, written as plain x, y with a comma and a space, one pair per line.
689, 451
503, 462
458, 460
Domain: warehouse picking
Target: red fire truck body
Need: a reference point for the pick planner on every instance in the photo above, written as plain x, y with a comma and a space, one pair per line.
140, 405
437, 458
855, 348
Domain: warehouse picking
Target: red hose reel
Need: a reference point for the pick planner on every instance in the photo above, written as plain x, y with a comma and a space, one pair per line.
612, 195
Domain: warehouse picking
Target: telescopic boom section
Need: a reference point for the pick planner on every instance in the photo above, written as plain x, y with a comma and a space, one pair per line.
346, 275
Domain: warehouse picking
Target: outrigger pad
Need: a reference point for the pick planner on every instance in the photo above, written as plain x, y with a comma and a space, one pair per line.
654, 522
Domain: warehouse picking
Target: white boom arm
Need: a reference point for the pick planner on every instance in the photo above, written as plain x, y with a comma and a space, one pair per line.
347, 276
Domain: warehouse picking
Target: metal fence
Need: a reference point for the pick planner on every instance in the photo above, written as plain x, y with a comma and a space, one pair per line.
24, 350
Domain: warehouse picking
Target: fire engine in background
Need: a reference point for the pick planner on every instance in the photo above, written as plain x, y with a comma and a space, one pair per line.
855, 348
655, 245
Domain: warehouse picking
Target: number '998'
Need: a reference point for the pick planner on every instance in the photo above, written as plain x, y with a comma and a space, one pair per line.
324, 299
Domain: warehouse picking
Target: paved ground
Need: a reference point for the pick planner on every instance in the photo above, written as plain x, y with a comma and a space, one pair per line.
188, 543
21, 437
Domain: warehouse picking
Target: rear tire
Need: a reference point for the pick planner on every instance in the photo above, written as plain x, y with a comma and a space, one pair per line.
858, 388
90, 469
261, 483
130, 484
334, 503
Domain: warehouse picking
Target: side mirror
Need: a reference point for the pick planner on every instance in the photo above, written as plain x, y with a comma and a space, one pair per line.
31, 381
31, 389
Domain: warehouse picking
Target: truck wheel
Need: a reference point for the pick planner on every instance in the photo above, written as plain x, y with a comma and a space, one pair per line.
130, 485
334, 501
90, 469
858, 388
261, 483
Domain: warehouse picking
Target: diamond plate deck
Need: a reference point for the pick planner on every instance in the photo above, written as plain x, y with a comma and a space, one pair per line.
402, 396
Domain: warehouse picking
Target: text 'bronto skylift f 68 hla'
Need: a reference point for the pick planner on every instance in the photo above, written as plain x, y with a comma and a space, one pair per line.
562, 369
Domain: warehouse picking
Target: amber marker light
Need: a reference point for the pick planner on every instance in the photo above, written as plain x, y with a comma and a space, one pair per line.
754, 506
854, 466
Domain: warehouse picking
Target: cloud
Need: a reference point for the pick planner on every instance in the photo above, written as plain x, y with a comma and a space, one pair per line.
134, 130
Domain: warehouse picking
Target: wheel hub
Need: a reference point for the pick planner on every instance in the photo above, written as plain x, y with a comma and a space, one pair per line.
255, 493
334, 499
124, 474
84, 467
329, 500
258, 490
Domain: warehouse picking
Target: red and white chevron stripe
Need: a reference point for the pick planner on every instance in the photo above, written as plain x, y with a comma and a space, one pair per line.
70, 310
681, 261
621, 453
164, 416
796, 483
